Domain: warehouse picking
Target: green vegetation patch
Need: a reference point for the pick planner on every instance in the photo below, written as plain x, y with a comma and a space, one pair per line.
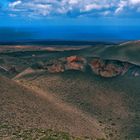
16, 133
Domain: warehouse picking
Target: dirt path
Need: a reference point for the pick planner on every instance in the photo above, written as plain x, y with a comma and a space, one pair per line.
84, 123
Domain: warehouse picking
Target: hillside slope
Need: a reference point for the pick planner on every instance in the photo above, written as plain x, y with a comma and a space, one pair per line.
92, 91
128, 51
26, 108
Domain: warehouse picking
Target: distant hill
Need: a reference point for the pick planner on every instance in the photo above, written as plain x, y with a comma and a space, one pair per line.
53, 42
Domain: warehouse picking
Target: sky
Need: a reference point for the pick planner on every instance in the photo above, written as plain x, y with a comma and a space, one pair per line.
62, 13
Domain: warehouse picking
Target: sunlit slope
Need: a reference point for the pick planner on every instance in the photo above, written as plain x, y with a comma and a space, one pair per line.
26, 108
113, 102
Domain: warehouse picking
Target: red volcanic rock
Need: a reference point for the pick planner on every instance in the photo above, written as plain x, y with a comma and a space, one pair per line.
75, 63
108, 68
68, 63
56, 67
97, 63
75, 66
71, 59
104, 68
75, 59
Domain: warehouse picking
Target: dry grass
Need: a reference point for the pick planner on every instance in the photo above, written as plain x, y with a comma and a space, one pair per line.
31, 108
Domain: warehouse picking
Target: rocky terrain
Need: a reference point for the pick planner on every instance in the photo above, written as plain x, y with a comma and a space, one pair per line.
89, 93
101, 67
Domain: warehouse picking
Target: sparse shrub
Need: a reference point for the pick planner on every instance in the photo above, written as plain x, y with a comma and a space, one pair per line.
111, 135
113, 124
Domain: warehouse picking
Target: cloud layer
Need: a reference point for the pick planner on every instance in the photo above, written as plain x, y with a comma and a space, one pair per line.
71, 8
